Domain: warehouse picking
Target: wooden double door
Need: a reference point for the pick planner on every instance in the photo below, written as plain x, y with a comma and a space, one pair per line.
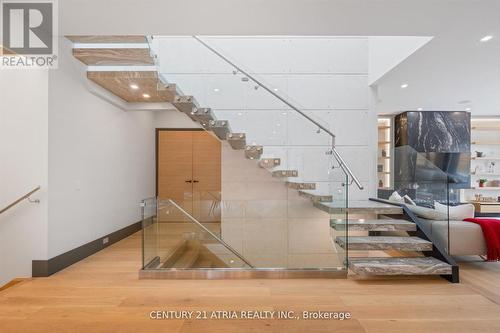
189, 171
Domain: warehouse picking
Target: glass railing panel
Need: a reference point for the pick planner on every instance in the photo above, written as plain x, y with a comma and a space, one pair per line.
277, 216
149, 232
182, 242
339, 217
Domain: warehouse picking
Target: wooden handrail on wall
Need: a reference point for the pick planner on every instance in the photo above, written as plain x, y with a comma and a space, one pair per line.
26, 196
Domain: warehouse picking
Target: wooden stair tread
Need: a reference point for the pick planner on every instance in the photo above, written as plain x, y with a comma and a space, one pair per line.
237, 140
374, 225
399, 266
118, 83
285, 173
105, 39
301, 185
384, 243
114, 57
269, 163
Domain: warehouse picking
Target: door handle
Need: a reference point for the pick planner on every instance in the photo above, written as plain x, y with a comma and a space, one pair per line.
196, 181
188, 181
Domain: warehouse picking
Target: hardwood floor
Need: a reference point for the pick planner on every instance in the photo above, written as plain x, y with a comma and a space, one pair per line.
103, 294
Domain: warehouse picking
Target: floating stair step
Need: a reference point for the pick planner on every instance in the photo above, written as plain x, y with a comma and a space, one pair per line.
202, 115
269, 163
253, 152
358, 207
285, 173
373, 225
399, 266
114, 56
119, 82
384, 243
301, 186
316, 197
237, 140
185, 104
220, 128
108, 39
167, 86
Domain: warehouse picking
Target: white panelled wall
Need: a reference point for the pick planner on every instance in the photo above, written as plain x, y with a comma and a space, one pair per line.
326, 77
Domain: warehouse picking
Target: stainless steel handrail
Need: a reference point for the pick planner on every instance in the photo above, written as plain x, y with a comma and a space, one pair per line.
195, 221
336, 154
26, 196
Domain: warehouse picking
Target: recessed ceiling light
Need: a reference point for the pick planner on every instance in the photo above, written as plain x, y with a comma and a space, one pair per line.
419, 109
275, 89
216, 89
404, 85
468, 109
486, 38
134, 86
240, 114
146, 95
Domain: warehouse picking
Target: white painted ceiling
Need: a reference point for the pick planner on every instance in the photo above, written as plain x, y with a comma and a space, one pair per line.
452, 68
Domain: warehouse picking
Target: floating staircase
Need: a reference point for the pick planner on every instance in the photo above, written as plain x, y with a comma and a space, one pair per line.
134, 52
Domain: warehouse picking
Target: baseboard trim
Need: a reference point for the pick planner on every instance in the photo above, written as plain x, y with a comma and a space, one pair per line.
43, 268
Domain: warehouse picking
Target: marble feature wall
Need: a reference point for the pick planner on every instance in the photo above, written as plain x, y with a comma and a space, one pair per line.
433, 131
432, 153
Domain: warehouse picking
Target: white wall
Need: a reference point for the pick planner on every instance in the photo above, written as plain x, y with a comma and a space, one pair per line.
101, 160
450, 73
23, 166
173, 119
386, 52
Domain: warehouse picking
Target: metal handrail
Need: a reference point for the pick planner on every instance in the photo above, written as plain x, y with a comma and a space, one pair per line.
26, 196
335, 153
195, 221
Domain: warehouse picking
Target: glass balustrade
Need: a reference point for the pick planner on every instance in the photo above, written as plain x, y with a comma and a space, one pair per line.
428, 190
281, 183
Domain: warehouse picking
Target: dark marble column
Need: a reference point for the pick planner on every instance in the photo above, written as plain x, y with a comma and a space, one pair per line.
432, 152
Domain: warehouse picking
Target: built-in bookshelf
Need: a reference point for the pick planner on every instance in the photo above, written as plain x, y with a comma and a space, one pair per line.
485, 160
384, 161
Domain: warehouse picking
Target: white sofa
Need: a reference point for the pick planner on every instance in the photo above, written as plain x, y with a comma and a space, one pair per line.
465, 238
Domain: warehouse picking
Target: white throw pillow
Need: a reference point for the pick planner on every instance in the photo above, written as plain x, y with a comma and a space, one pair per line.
457, 213
396, 197
408, 200
428, 213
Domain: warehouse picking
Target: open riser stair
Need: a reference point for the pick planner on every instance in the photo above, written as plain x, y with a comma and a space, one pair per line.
382, 218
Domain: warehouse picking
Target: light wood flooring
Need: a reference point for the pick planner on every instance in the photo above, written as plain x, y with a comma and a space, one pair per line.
103, 294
